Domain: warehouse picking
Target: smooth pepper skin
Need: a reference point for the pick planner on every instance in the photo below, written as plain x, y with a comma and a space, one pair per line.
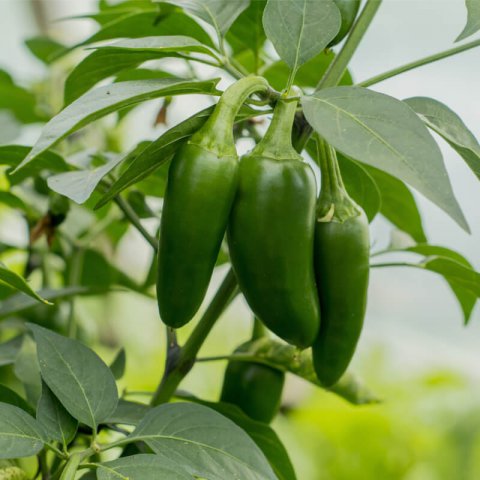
271, 233
200, 190
342, 254
255, 388
348, 10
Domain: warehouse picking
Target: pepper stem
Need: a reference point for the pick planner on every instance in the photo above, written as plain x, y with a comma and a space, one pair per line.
216, 135
334, 203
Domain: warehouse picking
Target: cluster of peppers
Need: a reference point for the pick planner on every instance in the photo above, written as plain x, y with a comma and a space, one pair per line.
302, 263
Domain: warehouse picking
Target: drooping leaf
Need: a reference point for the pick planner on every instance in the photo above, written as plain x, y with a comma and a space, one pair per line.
13, 398
18, 283
473, 19
57, 423
220, 14
398, 204
44, 48
450, 127
261, 433
207, 444
383, 132
300, 29
77, 376
27, 370
104, 100
20, 436
118, 365
143, 467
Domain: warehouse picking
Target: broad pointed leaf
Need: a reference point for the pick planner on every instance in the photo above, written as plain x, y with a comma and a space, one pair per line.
77, 376
384, 132
473, 19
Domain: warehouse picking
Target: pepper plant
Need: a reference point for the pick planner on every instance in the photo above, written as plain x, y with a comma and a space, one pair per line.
301, 262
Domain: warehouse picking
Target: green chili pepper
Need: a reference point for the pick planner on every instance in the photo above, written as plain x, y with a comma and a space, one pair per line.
271, 230
348, 10
201, 185
341, 266
255, 388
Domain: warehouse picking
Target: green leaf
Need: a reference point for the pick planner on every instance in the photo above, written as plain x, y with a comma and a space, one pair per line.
308, 75
398, 205
118, 365
384, 132
12, 155
13, 398
17, 304
207, 444
288, 359
77, 376
262, 434
12, 201
44, 48
300, 29
128, 413
18, 283
473, 19
104, 100
143, 467
27, 370
125, 54
20, 436
57, 423
9, 350
220, 14
80, 184
450, 127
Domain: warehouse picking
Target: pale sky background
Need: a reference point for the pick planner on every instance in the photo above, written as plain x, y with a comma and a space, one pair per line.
411, 313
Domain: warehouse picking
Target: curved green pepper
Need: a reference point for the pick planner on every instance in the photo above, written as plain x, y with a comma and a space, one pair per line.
201, 186
341, 259
255, 388
271, 230
348, 10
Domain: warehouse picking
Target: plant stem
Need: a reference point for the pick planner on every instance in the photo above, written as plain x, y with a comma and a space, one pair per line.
396, 264
186, 357
419, 63
134, 220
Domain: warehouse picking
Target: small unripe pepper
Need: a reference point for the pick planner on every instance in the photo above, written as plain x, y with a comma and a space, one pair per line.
201, 185
341, 258
271, 230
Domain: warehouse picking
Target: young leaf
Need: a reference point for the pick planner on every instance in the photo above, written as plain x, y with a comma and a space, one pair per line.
398, 204
45, 49
384, 132
143, 467
218, 13
104, 100
473, 19
77, 376
57, 423
300, 29
20, 436
450, 127
207, 444
118, 365
18, 283
262, 434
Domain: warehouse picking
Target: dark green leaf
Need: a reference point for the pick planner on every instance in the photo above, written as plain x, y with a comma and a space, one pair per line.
300, 29
104, 100
206, 443
18, 283
128, 413
9, 350
143, 467
12, 201
398, 204
45, 49
141, 74
450, 127
118, 365
77, 376
57, 423
262, 434
384, 132
473, 19
13, 398
20, 436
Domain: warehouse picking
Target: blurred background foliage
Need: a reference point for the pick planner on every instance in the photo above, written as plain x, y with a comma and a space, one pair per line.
415, 353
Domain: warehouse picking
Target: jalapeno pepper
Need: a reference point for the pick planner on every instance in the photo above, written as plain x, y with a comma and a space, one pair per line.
271, 230
342, 267
201, 186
